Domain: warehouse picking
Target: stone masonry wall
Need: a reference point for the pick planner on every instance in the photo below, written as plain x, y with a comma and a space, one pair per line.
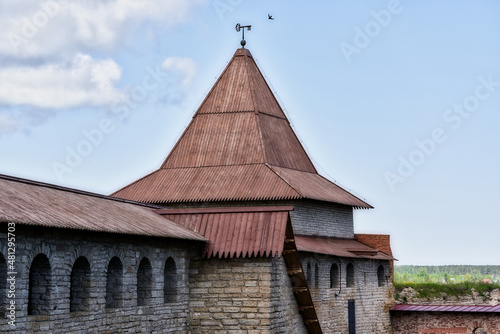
445, 322
242, 296
62, 248
285, 316
372, 302
321, 218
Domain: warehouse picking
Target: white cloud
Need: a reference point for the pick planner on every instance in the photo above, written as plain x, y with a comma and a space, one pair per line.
50, 28
47, 50
83, 81
183, 69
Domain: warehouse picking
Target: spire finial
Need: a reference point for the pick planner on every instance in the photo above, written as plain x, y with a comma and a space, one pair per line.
242, 28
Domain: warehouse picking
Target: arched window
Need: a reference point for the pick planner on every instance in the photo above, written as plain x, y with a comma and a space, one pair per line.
316, 275
144, 282
39, 286
3, 284
170, 281
480, 331
114, 283
80, 286
309, 273
349, 272
334, 276
381, 275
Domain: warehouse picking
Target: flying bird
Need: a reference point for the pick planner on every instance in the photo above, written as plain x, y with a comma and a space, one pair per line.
270, 17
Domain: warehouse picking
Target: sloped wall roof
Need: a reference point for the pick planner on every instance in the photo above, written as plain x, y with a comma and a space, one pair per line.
39, 204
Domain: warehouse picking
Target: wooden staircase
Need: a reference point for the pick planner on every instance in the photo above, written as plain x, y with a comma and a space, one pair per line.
299, 283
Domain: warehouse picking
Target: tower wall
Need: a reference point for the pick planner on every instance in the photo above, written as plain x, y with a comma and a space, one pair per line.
372, 302
250, 295
322, 219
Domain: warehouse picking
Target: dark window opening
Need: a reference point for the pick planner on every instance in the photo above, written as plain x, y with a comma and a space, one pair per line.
144, 282
334, 276
309, 273
350, 275
351, 315
3, 284
39, 286
316, 276
114, 284
80, 286
170, 281
381, 275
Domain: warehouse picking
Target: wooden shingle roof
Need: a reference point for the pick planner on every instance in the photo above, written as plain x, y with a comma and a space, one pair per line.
238, 146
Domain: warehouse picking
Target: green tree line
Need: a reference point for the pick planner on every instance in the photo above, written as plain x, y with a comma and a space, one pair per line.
446, 274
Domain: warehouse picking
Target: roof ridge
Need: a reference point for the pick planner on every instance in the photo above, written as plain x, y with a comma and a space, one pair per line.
334, 183
293, 188
73, 190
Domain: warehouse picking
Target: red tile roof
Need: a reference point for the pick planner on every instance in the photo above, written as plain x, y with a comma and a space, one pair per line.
446, 308
339, 247
238, 146
34, 203
235, 232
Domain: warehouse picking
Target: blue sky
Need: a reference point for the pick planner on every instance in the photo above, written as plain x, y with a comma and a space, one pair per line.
397, 101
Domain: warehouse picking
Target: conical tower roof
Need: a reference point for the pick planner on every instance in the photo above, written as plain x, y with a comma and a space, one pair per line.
239, 146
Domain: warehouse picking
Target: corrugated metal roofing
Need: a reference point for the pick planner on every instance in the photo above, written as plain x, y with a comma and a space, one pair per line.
222, 183
218, 140
35, 203
236, 232
315, 186
238, 146
235, 183
338, 247
241, 87
446, 308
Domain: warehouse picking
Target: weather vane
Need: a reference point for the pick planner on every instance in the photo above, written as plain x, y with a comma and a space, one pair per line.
242, 28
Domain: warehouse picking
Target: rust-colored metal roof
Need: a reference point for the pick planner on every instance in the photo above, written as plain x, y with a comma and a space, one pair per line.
315, 186
235, 232
220, 183
446, 308
339, 247
40, 204
239, 122
235, 183
238, 146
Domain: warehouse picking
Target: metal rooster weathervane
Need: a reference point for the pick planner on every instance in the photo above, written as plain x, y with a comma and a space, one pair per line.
242, 28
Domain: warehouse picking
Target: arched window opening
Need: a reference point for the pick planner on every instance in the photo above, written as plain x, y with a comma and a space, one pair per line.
79, 295
349, 275
381, 275
114, 284
170, 281
144, 282
309, 273
316, 275
334, 276
3, 284
480, 331
39, 286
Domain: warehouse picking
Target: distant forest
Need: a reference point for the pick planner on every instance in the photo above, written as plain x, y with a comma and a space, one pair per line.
446, 274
